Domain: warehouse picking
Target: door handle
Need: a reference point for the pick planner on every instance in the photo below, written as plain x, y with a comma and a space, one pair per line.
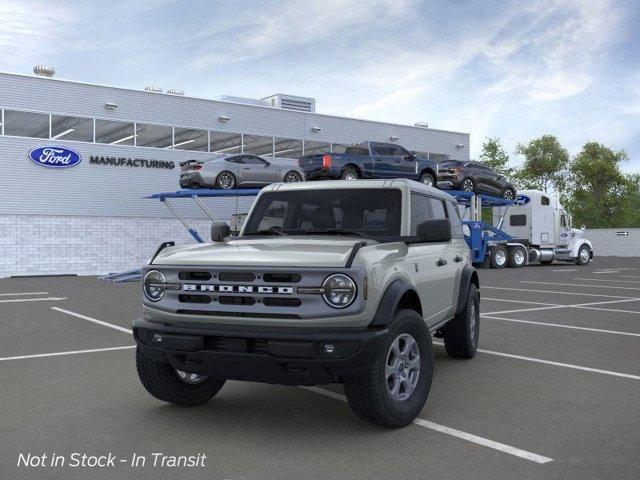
441, 262
246, 168
457, 259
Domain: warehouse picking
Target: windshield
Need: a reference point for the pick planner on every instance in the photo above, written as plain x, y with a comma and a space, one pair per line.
370, 212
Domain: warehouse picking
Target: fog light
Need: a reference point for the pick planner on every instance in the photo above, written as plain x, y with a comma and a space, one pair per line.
156, 338
328, 348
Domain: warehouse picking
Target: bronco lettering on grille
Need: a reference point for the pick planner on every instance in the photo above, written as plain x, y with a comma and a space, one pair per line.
260, 289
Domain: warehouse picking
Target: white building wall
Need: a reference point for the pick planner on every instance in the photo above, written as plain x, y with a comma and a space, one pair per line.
52, 245
610, 242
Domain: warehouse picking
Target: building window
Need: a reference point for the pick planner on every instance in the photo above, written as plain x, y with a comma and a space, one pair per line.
190, 139
26, 124
114, 133
312, 147
222, 142
257, 145
287, 148
72, 128
157, 136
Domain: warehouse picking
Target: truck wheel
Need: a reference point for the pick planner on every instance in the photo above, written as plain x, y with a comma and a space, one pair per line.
350, 173
461, 334
583, 255
517, 257
428, 180
498, 256
392, 390
169, 385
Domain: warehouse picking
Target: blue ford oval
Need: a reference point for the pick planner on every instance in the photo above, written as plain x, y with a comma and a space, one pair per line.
55, 157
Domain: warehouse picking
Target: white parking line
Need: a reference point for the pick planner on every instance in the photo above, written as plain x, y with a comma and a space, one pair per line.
581, 285
576, 305
529, 290
567, 270
72, 352
572, 327
556, 364
23, 293
606, 280
469, 437
46, 299
519, 301
94, 320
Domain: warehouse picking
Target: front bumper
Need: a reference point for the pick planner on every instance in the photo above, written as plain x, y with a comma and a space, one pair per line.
287, 356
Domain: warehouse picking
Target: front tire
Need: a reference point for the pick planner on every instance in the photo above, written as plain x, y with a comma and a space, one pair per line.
428, 180
584, 255
169, 385
461, 334
509, 194
392, 390
468, 185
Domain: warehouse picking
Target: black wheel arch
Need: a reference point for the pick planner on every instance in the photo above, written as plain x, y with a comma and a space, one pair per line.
399, 294
355, 167
430, 171
469, 276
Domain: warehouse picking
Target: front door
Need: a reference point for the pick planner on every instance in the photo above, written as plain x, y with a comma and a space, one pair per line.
256, 170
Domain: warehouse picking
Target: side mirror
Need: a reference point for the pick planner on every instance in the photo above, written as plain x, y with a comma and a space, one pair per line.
219, 231
437, 230
410, 156
583, 227
267, 163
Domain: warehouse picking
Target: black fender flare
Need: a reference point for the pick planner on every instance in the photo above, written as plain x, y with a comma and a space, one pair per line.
469, 276
389, 302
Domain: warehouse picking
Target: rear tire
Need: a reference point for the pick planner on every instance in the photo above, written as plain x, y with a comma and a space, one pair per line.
226, 180
163, 382
376, 394
461, 334
517, 257
350, 173
509, 194
498, 256
292, 177
468, 185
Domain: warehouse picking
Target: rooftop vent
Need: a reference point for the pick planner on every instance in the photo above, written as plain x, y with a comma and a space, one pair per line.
422, 124
44, 71
153, 88
292, 102
175, 91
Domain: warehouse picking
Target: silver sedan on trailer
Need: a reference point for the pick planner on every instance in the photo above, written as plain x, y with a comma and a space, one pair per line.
238, 170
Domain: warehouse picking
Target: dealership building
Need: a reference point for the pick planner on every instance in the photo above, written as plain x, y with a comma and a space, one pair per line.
93, 217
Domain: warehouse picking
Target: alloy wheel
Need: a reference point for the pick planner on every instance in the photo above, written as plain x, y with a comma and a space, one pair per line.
191, 378
467, 185
292, 177
226, 181
402, 367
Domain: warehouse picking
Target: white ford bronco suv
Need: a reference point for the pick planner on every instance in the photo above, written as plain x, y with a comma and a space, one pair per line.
330, 281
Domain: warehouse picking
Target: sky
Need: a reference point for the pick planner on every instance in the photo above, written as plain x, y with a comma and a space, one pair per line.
514, 70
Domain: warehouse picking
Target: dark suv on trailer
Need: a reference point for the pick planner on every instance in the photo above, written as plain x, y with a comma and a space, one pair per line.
474, 177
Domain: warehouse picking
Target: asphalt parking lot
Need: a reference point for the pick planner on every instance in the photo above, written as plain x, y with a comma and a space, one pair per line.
552, 393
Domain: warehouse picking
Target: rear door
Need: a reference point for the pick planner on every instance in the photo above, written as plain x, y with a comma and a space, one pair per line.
433, 261
381, 161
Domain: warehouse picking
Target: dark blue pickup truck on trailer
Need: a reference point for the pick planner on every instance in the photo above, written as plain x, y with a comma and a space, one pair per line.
370, 160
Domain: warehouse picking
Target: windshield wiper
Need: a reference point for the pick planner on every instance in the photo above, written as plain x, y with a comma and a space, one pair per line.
337, 231
267, 232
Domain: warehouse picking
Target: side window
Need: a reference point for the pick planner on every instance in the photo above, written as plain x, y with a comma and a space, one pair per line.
563, 221
251, 160
456, 222
437, 208
545, 200
420, 211
381, 150
234, 160
397, 151
517, 220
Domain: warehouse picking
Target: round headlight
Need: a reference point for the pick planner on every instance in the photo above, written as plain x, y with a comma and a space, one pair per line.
339, 291
153, 285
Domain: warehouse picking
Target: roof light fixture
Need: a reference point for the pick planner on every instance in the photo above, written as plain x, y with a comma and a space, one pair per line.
123, 139
62, 134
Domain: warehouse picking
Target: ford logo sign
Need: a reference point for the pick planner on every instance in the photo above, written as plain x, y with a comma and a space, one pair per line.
55, 157
522, 200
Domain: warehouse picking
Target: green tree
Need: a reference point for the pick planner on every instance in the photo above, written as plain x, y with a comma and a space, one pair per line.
632, 214
495, 156
545, 164
600, 193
